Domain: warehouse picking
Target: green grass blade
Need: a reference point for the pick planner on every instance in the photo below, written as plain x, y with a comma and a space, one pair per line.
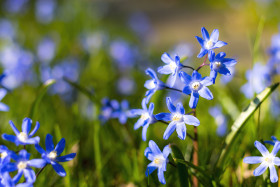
38, 99
240, 122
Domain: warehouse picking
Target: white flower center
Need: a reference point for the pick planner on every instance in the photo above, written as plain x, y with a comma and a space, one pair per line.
22, 165
52, 155
177, 117
209, 44
217, 65
196, 85
145, 116
4, 154
152, 84
22, 137
159, 160
269, 159
173, 66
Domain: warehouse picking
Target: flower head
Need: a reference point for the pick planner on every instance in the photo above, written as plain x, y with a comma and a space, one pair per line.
52, 154
267, 160
172, 67
146, 117
122, 112
220, 119
108, 106
220, 64
178, 120
24, 137
3, 107
159, 159
7, 181
209, 43
195, 86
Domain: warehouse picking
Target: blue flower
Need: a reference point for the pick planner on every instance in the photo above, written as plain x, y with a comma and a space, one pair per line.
220, 64
45, 10
196, 86
3, 107
24, 137
122, 112
267, 160
46, 50
220, 118
274, 140
153, 85
159, 159
107, 109
126, 86
15, 6
7, 181
7, 30
209, 43
23, 165
274, 50
258, 79
5, 154
146, 117
178, 120
172, 67
52, 154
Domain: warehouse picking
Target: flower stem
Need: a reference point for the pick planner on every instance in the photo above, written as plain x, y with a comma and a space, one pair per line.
203, 64
174, 89
188, 67
195, 152
41, 170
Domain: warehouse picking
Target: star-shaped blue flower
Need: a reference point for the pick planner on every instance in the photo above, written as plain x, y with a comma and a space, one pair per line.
108, 107
209, 43
153, 85
52, 154
267, 160
3, 107
178, 120
146, 117
7, 181
24, 137
122, 112
23, 165
159, 160
172, 67
220, 64
195, 86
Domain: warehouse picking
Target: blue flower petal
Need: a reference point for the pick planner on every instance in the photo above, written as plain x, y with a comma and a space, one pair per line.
194, 100
170, 106
215, 35
4, 107
205, 93
166, 151
187, 90
273, 174
161, 176
39, 149
211, 56
260, 170
224, 71
29, 175
219, 44
149, 154
181, 130
153, 146
150, 169
14, 128
196, 75
136, 112
275, 148
206, 81
37, 126
277, 161
26, 125
151, 109
60, 146
165, 57
261, 148
200, 41
151, 73
253, 159
191, 120
169, 130
37, 163
34, 140
164, 116
10, 138
49, 143
229, 62
180, 109
66, 158
205, 34
185, 77
59, 169
140, 122
202, 53
165, 70
144, 132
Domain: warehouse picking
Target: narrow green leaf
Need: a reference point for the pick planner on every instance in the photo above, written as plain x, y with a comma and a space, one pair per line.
257, 42
182, 169
240, 122
39, 97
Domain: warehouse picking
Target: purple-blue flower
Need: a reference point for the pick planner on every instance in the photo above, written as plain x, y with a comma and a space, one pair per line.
209, 43
220, 64
24, 137
196, 86
5, 154
122, 112
159, 159
274, 50
23, 165
3, 107
146, 117
267, 160
7, 181
153, 85
172, 67
45, 10
178, 120
108, 107
274, 140
52, 154
220, 119
46, 50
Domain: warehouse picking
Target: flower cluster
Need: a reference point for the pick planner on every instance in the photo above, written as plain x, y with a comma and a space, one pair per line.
193, 85
20, 161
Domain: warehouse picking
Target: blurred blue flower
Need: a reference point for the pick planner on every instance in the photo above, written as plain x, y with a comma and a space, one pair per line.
7, 181
140, 24
178, 120
122, 112
267, 160
46, 50
15, 6
258, 79
45, 10
52, 154
24, 137
209, 43
220, 119
159, 159
226, 79
3, 107
7, 30
23, 165
195, 86
274, 50
274, 140
126, 86
183, 50
172, 67
153, 85
220, 64
5, 154
146, 117
107, 109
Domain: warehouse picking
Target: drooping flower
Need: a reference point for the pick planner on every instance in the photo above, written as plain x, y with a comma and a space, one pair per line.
24, 137
220, 64
267, 160
122, 112
3, 107
178, 120
159, 159
195, 86
52, 154
153, 85
172, 67
209, 43
220, 119
23, 165
258, 79
146, 117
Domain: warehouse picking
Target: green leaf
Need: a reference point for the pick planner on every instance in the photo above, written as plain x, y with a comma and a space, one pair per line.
240, 122
182, 169
39, 97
